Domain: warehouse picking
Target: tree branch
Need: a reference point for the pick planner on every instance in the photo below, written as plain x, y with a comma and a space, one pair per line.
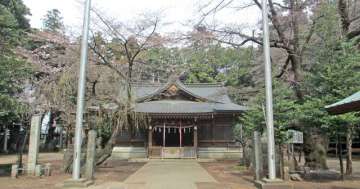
353, 34
310, 34
105, 61
109, 26
284, 67
217, 7
344, 15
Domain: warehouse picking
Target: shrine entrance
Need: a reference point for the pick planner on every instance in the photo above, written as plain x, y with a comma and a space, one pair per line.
172, 141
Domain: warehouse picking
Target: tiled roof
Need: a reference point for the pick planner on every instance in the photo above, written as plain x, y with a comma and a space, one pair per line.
180, 106
212, 92
348, 104
214, 99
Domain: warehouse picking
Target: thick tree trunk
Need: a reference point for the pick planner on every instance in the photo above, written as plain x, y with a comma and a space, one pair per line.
349, 151
340, 158
105, 153
22, 147
314, 150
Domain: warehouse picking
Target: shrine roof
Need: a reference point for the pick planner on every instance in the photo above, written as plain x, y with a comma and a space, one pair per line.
210, 98
348, 104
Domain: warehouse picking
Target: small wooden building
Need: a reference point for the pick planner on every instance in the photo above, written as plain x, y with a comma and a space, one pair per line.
186, 121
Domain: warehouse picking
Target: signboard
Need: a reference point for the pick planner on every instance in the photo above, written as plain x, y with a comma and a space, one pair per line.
295, 137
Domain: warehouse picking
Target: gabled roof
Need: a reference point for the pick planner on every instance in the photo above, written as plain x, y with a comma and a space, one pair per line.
212, 98
348, 104
205, 91
172, 82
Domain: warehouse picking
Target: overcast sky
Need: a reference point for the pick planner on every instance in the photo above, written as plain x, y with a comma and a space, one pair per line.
176, 12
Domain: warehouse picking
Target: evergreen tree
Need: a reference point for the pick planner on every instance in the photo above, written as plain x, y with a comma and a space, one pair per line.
53, 21
13, 71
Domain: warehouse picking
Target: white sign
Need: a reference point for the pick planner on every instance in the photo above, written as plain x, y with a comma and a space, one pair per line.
295, 137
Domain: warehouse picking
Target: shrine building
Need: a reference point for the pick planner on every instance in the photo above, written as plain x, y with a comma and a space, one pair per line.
185, 121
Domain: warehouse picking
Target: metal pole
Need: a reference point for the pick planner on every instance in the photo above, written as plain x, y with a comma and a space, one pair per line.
268, 91
81, 92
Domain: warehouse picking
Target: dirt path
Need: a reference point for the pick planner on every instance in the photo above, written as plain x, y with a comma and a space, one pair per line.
230, 175
227, 173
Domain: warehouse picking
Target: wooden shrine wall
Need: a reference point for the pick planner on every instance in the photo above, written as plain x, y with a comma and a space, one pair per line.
217, 132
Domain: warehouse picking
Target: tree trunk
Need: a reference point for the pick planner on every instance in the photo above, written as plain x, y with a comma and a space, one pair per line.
340, 157
105, 153
22, 147
314, 150
349, 151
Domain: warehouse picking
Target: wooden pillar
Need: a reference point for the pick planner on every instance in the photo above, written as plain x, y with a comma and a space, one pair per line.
195, 140
213, 129
164, 134
61, 141
164, 142
180, 134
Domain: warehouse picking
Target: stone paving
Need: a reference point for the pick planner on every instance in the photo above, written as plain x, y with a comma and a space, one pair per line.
169, 174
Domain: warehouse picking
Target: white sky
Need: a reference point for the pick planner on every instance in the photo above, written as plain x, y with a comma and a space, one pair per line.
176, 12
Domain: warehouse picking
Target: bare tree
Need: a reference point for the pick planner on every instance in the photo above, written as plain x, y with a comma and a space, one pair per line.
121, 53
287, 34
292, 27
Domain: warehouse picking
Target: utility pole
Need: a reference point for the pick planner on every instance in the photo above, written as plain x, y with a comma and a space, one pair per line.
268, 92
81, 92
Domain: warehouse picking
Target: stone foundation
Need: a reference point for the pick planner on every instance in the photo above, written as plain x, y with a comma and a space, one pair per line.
128, 152
220, 153
203, 153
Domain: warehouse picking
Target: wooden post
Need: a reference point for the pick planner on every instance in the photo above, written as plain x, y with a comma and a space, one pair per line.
180, 135
195, 140
213, 129
61, 141
164, 139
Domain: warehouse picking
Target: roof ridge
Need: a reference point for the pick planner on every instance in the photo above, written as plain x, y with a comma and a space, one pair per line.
147, 84
140, 83
205, 84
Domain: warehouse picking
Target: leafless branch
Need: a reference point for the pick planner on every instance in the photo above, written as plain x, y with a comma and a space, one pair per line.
310, 34
220, 5
353, 34
354, 19
281, 6
284, 67
109, 25
106, 62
